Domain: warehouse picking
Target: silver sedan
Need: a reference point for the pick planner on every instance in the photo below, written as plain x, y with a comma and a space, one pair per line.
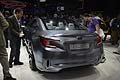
55, 44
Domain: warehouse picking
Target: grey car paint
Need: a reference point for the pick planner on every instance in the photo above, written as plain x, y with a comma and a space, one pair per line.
55, 59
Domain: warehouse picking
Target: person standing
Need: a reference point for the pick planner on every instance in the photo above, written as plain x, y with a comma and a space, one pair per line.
3, 53
91, 23
93, 26
15, 37
115, 30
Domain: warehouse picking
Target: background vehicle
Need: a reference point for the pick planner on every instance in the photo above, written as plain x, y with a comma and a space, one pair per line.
55, 44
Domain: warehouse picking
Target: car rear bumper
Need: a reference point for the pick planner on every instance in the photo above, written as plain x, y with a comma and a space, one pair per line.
61, 60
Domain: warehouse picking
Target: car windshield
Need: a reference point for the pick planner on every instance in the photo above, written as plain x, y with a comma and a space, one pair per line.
62, 24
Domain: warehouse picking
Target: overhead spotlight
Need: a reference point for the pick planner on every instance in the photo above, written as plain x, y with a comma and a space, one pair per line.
42, 0
51, 22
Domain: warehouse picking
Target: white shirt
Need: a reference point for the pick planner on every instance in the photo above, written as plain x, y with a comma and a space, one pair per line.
18, 20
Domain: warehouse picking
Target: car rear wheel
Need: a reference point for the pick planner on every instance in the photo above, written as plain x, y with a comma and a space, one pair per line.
32, 64
32, 59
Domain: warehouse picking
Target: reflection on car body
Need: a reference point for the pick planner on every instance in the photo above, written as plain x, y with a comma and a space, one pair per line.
57, 44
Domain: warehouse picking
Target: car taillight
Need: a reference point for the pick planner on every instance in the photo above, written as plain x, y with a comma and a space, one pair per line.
99, 41
49, 43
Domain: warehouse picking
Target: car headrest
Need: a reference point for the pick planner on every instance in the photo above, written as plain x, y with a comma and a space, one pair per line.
61, 24
49, 25
71, 26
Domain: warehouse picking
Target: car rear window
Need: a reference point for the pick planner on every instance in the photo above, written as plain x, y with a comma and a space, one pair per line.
61, 24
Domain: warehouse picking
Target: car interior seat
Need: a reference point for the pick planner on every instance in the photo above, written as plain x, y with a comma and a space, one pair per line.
71, 26
61, 26
49, 26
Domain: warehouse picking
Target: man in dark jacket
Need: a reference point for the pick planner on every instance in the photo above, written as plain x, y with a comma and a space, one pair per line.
3, 53
15, 37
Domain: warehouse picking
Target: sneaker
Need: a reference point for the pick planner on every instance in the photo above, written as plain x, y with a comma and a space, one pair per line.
103, 60
116, 53
9, 78
18, 63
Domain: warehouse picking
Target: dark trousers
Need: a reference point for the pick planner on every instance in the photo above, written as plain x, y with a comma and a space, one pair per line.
15, 50
115, 36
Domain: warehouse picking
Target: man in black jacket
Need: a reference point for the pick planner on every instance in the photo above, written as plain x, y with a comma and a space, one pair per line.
15, 37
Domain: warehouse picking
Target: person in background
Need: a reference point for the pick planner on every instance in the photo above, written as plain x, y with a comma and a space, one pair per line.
26, 20
3, 53
118, 49
16, 34
108, 31
101, 21
102, 24
92, 26
91, 23
115, 30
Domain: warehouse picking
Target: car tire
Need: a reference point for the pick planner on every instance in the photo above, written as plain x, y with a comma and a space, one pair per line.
32, 61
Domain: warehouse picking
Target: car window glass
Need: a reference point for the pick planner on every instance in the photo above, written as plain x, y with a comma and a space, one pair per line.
56, 24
